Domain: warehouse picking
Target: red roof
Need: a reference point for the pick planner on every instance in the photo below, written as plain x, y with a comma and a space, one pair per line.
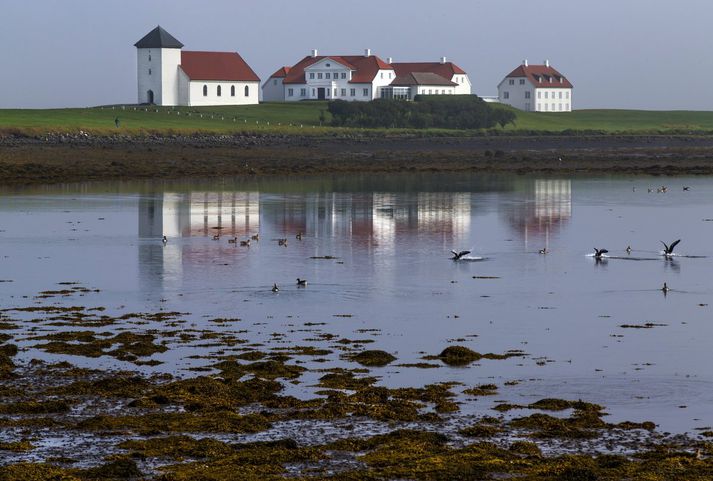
446, 70
364, 68
541, 76
228, 66
281, 73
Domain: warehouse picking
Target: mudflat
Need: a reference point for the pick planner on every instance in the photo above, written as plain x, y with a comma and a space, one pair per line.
81, 157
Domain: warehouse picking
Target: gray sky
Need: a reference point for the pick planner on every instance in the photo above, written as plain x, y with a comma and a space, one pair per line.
648, 54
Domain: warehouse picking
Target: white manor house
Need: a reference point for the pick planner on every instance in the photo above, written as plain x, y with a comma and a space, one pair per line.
168, 75
363, 78
536, 88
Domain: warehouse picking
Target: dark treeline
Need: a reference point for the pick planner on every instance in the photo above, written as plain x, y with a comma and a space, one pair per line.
426, 111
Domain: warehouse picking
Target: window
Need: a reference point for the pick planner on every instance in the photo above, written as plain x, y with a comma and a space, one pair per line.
389, 74
314, 92
344, 75
511, 81
566, 107
205, 91
560, 107
303, 92
274, 82
522, 81
335, 93
149, 71
506, 95
344, 92
218, 91
232, 90
247, 91
329, 65
319, 75
539, 107
149, 57
443, 91
527, 94
352, 92
328, 75
539, 96
560, 96
366, 92
382, 74
547, 94
567, 94
290, 92
311, 75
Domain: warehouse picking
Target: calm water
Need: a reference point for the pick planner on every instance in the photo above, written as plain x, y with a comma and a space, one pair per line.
392, 238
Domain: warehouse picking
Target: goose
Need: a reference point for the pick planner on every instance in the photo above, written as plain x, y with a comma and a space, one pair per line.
245, 243
234, 240
301, 282
668, 249
165, 240
628, 249
256, 237
665, 288
458, 255
299, 236
598, 253
275, 288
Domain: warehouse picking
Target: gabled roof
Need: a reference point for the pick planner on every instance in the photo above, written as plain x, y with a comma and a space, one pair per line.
541, 76
281, 73
364, 69
227, 66
445, 70
158, 38
422, 78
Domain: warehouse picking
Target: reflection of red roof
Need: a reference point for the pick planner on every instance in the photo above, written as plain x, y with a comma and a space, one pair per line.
227, 66
446, 70
541, 76
364, 69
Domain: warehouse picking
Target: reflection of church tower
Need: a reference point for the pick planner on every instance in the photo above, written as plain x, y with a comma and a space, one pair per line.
544, 205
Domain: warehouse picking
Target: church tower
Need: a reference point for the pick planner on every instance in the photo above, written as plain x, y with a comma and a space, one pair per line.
159, 55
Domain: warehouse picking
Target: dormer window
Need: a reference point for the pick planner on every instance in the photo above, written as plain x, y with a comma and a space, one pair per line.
328, 65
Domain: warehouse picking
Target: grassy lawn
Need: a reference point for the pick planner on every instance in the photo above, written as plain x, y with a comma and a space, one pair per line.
303, 117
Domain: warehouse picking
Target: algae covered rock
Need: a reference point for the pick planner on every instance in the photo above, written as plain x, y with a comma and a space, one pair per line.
459, 356
374, 358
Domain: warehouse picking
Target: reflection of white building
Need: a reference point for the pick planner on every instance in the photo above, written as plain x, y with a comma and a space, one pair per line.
547, 205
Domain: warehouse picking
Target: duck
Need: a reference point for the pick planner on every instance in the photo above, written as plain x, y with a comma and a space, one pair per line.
256, 237
245, 243
628, 249
165, 240
234, 240
301, 282
665, 288
543, 250
668, 249
216, 237
598, 253
299, 236
686, 188
282, 242
458, 255
275, 288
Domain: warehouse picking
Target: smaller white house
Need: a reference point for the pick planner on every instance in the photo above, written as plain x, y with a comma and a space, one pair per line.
168, 75
536, 88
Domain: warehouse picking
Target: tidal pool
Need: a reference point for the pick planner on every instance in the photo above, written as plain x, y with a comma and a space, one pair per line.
375, 251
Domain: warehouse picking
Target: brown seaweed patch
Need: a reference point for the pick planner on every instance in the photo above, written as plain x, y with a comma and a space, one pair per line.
17, 446
373, 358
462, 356
482, 390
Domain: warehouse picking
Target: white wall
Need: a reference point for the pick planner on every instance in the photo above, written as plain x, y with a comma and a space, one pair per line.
273, 90
157, 70
432, 90
553, 100
464, 86
198, 99
517, 93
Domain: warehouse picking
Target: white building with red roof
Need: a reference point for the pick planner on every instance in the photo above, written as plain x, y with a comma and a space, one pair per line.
168, 75
362, 78
536, 88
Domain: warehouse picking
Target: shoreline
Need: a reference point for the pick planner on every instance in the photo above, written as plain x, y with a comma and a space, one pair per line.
58, 158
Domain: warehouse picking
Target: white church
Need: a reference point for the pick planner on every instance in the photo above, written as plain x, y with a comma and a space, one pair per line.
168, 75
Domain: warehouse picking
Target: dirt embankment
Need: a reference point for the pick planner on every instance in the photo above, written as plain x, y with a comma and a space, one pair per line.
78, 157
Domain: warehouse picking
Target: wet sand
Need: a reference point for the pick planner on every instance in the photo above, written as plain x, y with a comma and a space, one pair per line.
68, 158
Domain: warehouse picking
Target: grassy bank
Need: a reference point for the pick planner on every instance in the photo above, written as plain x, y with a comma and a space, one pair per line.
304, 118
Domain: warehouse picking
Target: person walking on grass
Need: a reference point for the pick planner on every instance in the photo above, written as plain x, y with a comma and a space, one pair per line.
117, 122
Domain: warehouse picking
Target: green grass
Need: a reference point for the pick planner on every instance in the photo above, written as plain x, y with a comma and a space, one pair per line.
303, 118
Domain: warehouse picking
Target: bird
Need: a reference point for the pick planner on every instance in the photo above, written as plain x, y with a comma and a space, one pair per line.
543, 250
234, 240
165, 240
668, 249
650, 190
628, 249
665, 288
275, 288
301, 282
282, 242
299, 236
256, 237
458, 255
245, 243
216, 237
686, 188
598, 253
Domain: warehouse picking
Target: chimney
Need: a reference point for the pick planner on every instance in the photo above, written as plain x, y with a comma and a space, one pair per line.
524, 62
443, 60
389, 60
314, 52
367, 52
547, 63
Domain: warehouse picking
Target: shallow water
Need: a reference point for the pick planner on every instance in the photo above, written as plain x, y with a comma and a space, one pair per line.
392, 276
